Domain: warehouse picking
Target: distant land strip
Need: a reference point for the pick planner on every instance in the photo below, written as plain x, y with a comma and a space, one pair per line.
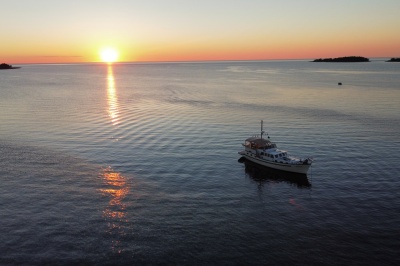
394, 60
7, 66
343, 59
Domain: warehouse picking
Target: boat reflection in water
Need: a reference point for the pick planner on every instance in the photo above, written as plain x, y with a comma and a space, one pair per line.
262, 174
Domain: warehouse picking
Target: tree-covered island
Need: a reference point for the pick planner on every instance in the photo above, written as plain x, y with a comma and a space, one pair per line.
343, 59
394, 60
7, 66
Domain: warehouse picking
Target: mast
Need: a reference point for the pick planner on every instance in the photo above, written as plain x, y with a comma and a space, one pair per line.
262, 131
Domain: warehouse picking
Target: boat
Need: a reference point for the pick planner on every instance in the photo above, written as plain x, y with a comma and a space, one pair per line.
264, 152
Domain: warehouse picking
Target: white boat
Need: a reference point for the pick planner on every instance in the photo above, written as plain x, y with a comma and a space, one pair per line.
262, 151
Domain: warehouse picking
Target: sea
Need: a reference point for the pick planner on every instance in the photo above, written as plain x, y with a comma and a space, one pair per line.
138, 164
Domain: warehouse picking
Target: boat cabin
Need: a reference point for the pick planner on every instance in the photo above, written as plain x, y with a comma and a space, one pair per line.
265, 149
276, 154
258, 143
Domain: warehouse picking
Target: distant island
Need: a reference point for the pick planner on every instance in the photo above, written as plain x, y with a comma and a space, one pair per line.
7, 66
343, 59
394, 60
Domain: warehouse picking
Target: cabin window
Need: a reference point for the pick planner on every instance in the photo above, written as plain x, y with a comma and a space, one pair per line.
276, 155
280, 155
262, 153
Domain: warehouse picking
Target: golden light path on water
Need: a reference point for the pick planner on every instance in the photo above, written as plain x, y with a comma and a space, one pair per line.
116, 189
115, 186
112, 98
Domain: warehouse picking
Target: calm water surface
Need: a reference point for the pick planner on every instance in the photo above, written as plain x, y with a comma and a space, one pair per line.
138, 163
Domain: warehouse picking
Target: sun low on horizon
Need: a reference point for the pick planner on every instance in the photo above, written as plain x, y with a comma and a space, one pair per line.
109, 55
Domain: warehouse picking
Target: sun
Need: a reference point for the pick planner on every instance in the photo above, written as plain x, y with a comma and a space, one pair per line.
109, 55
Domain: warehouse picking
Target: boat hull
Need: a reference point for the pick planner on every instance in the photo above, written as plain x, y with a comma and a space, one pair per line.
293, 168
260, 173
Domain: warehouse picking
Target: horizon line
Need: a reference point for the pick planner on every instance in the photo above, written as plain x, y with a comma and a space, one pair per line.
181, 61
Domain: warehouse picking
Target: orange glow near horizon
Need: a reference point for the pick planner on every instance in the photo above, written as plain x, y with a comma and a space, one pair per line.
253, 48
213, 51
141, 31
277, 51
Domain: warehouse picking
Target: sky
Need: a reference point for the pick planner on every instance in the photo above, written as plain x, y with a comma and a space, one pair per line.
73, 31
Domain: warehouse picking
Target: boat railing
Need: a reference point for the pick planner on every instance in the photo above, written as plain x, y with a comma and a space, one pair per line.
300, 159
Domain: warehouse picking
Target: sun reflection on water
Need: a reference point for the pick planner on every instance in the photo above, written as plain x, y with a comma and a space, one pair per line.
116, 189
112, 98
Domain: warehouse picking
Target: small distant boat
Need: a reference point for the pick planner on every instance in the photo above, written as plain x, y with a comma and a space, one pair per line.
262, 151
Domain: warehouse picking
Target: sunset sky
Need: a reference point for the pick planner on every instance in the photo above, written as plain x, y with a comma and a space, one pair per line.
55, 31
